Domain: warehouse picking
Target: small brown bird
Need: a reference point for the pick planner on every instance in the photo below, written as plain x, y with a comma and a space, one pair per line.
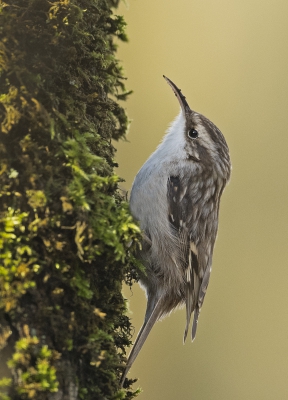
175, 197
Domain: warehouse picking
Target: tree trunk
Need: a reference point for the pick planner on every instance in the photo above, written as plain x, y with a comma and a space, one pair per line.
65, 232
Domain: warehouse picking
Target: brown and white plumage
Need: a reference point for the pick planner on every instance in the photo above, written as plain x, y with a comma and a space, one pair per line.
175, 196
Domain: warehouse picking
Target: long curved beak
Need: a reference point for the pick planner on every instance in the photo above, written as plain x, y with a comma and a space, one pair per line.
181, 98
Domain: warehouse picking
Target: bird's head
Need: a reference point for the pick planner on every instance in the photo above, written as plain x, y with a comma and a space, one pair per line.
199, 139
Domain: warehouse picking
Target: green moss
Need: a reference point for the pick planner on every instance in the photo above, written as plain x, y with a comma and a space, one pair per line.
38, 375
66, 235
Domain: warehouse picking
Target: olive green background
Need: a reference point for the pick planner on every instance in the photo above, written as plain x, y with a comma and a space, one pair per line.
230, 58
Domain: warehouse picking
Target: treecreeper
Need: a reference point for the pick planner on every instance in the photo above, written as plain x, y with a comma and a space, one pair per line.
175, 197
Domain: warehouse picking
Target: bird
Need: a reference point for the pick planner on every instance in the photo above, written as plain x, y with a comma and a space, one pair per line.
175, 197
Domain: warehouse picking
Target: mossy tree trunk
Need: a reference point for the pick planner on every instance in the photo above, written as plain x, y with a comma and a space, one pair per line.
65, 232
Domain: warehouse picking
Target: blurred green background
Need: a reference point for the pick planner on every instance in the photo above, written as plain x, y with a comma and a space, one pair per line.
230, 58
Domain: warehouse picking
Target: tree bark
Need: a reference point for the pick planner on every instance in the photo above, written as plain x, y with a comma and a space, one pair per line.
65, 231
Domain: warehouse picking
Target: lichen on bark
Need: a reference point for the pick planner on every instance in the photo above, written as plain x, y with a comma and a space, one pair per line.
66, 235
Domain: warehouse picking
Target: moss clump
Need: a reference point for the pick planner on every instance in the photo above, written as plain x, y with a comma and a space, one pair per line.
65, 232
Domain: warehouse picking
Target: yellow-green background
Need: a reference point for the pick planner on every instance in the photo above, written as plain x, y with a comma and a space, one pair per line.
230, 58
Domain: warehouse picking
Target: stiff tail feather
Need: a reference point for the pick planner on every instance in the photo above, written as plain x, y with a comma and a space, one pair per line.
142, 336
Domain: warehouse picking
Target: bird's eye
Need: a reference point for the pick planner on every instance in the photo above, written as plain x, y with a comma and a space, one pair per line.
193, 134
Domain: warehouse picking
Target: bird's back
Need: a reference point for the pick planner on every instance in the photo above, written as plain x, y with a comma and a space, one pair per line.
166, 200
